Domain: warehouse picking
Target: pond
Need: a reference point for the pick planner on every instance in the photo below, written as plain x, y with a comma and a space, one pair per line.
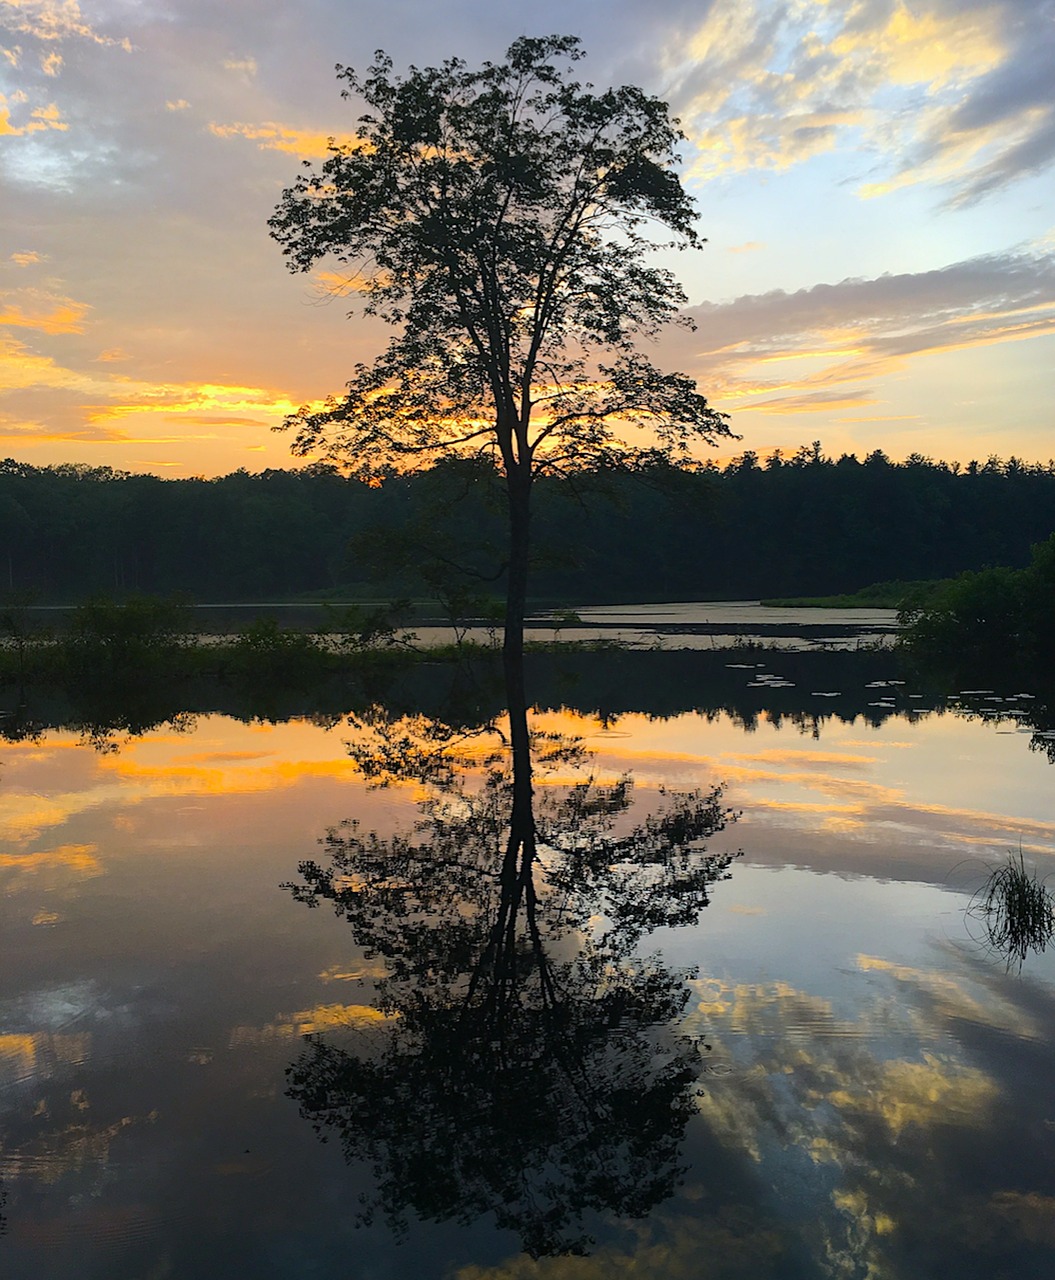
721, 1009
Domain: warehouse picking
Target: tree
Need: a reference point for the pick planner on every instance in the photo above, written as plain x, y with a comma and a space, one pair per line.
499, 220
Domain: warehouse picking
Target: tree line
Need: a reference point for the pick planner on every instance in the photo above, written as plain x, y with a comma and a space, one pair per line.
795, 525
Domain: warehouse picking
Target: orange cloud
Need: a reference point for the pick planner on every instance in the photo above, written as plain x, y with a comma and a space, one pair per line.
55, 20
42, 312
41, 118
270, 136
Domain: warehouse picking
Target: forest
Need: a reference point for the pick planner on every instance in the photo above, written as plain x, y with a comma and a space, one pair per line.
785, 525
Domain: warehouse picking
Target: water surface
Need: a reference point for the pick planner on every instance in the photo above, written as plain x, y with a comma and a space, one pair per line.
856, 1085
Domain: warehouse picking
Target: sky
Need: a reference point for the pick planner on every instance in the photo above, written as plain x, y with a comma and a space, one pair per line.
875, 179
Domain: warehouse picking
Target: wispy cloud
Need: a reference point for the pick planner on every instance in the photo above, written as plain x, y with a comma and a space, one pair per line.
270, 136
45, 312
103, 405
246, 67
949, 92
54, 20
822, 341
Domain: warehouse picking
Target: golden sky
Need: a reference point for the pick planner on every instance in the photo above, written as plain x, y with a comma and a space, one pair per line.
875, 180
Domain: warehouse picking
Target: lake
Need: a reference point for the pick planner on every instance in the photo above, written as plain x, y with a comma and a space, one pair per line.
781, 1048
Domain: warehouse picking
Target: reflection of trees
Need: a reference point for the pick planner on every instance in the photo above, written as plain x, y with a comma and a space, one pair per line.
526, 1066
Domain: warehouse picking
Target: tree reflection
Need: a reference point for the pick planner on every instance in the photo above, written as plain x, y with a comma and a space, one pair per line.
525, 1062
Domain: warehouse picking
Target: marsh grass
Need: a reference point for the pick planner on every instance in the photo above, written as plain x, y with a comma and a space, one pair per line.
1016, 910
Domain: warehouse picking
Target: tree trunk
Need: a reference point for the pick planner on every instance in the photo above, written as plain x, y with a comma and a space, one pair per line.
518, 485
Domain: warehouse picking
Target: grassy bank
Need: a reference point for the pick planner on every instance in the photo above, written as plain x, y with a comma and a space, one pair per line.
880, 595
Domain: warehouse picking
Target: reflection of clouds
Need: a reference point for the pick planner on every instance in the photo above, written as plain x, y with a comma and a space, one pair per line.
797, 789
361, 972
877, 1103
731, 1242
1031, 1215
323, 1017
867, 1116
949, 1000
41, 1055
896, 1095
23, 817
20, 871
812, 759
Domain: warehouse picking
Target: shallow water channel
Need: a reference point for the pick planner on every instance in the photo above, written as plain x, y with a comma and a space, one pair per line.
786, 1050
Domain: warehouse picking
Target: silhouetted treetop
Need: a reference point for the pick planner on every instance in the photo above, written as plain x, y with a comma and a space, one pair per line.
500, 219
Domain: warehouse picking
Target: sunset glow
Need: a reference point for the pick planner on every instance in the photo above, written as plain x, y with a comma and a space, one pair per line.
874, 179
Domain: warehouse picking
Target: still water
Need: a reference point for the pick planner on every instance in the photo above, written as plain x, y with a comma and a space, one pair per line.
789, 1054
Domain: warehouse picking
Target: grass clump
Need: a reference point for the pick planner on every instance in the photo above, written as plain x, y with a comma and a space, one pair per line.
1016, 909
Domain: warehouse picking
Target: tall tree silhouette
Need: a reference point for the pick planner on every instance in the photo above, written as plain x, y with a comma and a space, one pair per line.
499, 219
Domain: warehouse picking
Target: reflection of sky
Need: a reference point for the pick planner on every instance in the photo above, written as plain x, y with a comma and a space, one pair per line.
864, 1050
939, 786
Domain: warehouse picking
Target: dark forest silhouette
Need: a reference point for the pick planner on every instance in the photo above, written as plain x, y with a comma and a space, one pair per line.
804, 525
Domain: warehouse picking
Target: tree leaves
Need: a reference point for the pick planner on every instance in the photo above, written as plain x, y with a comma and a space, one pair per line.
496, 217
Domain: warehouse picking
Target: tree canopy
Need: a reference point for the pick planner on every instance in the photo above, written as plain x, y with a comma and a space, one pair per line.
500, 219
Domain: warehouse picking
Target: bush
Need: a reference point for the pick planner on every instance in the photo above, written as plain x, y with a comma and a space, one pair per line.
117, 638
267, 652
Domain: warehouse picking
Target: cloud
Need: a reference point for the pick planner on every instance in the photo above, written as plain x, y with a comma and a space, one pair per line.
194, 399
62, 403
749, 246
36, 309
270, 136
949, 92
246, 67
51, 63
40, 119
796, 352
815, 402
179, 104
27, 258
54, 20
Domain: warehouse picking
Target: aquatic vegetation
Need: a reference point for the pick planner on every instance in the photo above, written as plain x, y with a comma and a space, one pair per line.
1016, 909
